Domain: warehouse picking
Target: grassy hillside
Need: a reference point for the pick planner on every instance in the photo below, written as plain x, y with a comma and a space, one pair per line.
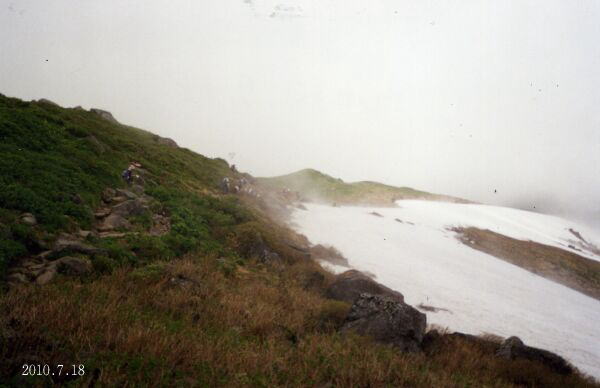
55, 163
313, 185
199, 305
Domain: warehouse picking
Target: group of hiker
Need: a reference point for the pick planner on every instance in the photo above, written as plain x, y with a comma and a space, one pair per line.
237, 186
228, 185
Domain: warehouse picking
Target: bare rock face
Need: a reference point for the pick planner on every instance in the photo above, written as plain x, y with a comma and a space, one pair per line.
348, 287
513, 348
106, 115
388, 321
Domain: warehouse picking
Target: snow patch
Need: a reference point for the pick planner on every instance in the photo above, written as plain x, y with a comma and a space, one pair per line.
420, 258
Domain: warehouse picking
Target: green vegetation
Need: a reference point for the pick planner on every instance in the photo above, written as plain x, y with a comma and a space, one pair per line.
199, 305
55, 162
316, 186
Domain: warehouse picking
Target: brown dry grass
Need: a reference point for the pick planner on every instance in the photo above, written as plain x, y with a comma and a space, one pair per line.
567, 268
254, 327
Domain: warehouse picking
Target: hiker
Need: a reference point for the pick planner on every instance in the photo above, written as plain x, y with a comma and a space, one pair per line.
233, 168
225, 185
128, 173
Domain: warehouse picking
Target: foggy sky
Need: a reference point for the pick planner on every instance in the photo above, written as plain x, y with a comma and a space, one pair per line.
460, 98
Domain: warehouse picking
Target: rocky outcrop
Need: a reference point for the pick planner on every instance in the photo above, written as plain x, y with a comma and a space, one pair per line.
168, 142
71, 244
388, 321
46, 101
120, 205
349, 285
106, 115
161, 225
513, 348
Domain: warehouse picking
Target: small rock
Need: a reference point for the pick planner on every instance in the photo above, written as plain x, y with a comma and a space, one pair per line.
17, 278
28, 219
46, 276
44, 255
111, 235
119, 199
103, 212
108, 194
112, 222
84, 233
161, 225
72, 244
137, 189
126, 193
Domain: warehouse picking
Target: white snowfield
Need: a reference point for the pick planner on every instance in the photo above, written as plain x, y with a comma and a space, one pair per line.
424, 261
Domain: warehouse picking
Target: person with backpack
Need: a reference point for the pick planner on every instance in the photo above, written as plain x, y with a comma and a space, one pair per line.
128, 173
225, 185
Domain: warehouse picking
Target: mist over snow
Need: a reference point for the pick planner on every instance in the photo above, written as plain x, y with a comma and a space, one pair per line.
492, 101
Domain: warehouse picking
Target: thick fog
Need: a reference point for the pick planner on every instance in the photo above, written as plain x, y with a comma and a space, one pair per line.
495, 101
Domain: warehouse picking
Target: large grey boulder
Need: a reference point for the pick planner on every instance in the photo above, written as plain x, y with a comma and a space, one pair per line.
388, 321
513, 348
348, 286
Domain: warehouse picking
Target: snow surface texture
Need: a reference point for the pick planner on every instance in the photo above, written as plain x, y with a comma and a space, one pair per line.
426, 263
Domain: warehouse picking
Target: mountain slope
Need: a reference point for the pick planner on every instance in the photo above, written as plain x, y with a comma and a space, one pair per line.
220, 295
313, 185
